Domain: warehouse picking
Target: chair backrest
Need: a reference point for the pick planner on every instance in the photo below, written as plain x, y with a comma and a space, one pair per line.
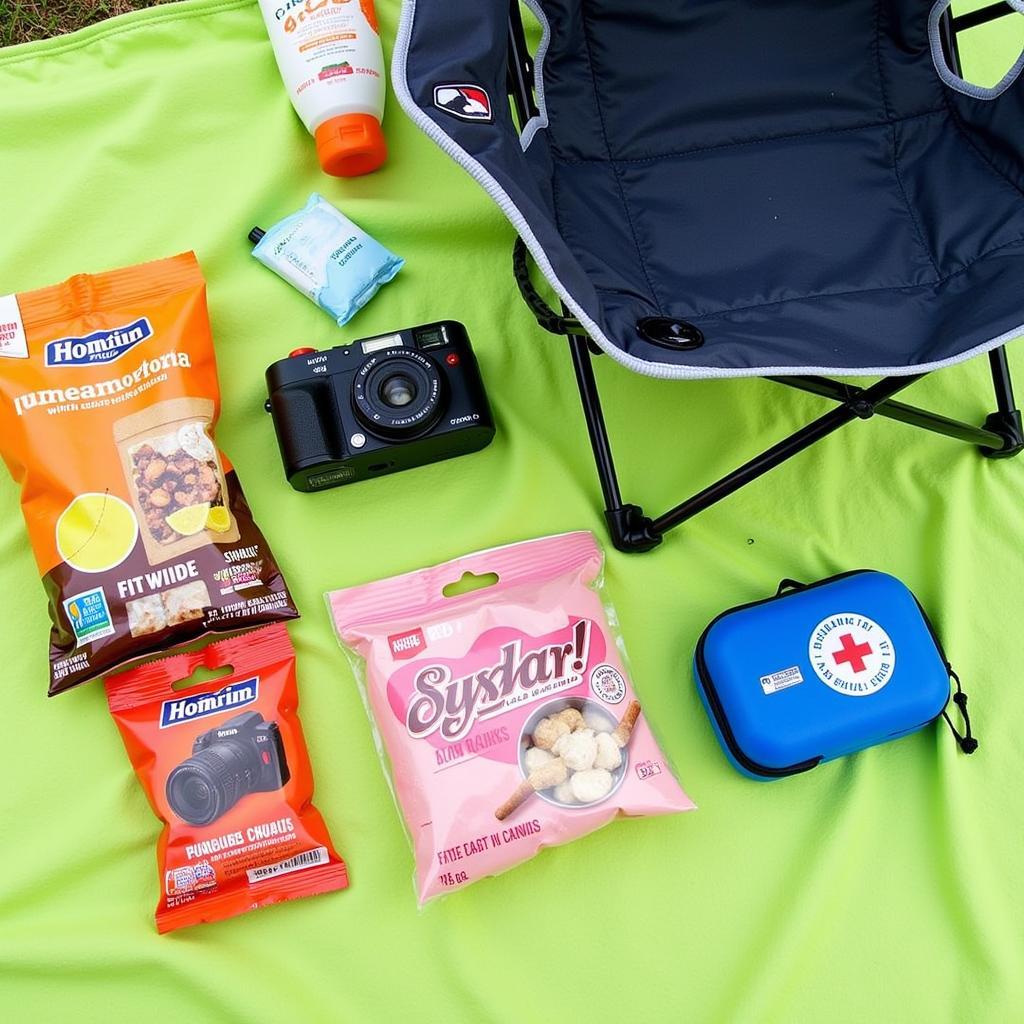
664, 133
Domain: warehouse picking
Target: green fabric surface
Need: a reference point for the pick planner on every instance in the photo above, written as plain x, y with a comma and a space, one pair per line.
884, 887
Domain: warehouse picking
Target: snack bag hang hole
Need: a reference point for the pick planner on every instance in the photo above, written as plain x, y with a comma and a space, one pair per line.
507, 715
142, 536
224, 765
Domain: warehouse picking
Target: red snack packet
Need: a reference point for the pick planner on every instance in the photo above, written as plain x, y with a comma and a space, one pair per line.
225, 768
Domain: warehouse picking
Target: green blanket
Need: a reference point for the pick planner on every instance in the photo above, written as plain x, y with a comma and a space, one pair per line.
884, 887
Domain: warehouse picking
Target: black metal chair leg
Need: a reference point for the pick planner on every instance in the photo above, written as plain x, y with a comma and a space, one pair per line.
630, 529
1006, 420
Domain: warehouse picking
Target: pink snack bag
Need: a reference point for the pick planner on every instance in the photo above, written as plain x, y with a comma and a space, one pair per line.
506, 712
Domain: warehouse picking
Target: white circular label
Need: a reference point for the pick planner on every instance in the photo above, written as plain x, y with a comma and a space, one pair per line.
608, 684
851, 654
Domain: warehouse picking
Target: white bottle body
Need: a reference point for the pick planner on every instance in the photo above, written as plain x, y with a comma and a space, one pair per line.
330, 57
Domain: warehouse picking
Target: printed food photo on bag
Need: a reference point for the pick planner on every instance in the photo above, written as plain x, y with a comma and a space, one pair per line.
507, 712
175, 477
108, 404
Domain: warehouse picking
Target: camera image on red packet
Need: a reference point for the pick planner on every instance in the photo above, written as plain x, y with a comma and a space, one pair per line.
224, 765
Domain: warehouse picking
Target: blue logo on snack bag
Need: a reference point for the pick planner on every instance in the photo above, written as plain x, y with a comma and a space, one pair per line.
98, 347
89, 615
201, 705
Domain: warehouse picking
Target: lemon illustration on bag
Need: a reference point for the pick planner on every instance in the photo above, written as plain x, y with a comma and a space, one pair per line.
219, 519
189, 520
96, 532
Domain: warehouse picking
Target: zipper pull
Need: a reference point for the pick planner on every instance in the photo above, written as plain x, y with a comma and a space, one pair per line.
968, 744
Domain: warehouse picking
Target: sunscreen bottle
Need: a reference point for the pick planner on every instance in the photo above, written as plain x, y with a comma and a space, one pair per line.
331, 60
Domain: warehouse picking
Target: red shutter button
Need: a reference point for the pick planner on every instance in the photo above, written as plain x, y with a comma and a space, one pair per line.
300, 352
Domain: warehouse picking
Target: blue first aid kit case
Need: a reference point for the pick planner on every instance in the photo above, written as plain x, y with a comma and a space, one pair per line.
822, 670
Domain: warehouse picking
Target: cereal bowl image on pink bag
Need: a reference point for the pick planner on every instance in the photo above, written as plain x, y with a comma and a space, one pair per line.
590, 752
505, 714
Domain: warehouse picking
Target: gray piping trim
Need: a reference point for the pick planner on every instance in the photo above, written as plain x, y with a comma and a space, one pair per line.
664, 371
976, 92
535, 124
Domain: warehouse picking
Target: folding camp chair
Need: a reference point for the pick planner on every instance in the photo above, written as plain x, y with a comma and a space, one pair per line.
732, 188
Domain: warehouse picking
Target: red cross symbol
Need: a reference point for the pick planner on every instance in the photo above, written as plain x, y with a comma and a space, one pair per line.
851, 652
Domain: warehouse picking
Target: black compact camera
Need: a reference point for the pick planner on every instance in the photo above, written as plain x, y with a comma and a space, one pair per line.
244, 755
378, 406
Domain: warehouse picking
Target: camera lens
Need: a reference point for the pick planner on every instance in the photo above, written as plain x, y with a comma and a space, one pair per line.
204, 786
399, 394
398, 391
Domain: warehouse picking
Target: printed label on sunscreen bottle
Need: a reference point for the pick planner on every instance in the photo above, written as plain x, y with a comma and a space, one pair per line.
330, 57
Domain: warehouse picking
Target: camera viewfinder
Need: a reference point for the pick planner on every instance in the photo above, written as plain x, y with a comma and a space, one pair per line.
434, 336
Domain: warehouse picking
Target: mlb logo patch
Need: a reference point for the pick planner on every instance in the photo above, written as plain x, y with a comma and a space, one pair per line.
465, 101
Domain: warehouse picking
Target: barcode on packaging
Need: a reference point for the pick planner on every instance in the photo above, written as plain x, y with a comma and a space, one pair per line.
301, 861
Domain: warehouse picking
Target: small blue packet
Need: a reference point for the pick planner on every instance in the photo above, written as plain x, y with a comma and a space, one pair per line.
326, 257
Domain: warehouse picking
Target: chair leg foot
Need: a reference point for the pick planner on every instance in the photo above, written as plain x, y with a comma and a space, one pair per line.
1008, 425
631, 530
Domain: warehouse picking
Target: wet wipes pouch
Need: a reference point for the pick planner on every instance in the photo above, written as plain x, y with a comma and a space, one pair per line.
327, 257
823, 670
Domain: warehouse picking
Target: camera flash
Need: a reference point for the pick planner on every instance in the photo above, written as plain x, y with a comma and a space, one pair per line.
384, 341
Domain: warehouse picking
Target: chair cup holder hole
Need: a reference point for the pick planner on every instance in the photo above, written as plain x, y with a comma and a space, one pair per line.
670, 333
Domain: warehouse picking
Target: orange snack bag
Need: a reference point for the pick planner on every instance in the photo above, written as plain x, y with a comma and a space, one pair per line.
143, 538
225, 768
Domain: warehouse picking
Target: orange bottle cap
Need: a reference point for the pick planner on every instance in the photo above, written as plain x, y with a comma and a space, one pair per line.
350, 144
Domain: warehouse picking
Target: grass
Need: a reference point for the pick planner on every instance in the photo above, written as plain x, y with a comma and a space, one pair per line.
22, 20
